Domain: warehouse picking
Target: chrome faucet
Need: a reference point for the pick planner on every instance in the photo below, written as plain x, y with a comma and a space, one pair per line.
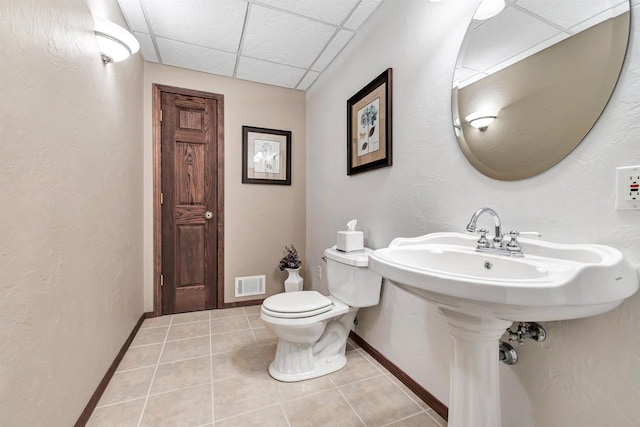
497, 245
471, 227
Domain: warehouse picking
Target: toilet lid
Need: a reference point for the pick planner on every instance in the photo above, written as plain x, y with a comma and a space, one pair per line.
297, 304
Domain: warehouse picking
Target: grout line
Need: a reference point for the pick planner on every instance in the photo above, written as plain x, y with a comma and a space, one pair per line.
407, 394
118, 403
432, 417
247, 412
350, 406
402, 419
361, 380
144, 407
179, 389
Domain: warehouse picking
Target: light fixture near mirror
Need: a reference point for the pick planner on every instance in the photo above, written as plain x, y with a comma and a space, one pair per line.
549, 71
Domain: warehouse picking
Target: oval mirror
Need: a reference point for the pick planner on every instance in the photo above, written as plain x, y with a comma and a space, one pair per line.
532, 80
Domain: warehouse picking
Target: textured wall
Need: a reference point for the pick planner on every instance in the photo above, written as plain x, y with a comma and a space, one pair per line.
70, 208
588, 372
259, 219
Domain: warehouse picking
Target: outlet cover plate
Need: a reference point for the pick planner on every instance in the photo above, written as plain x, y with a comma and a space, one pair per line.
627, 178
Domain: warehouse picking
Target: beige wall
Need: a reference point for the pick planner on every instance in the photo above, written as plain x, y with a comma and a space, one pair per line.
259, 219
70, 208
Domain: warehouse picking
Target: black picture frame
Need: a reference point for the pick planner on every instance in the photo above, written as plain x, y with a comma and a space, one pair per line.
266, 156
369, 148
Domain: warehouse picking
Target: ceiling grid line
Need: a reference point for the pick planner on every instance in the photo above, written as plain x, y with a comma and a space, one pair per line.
150, 28
244, 27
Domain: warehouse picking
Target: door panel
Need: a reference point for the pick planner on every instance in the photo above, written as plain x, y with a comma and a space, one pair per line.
189, 186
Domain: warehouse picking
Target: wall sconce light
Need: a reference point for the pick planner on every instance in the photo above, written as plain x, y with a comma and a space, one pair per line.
115, 43
488, 9
481, 119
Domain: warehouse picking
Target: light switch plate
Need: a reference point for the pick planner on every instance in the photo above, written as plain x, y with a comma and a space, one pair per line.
627, 187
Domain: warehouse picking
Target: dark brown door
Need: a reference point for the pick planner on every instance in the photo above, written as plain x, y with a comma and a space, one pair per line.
189, 137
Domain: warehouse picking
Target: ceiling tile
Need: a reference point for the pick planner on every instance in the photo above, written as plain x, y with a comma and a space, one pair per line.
210, 23
308, 80
489, 42
269, 73
567, 13
196, 57
284, 38
333, 48
146, 47
362, 12
331, 11
132, 11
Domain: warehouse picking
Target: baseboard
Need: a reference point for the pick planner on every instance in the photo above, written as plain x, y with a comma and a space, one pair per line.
433, 402
95, 398
242, 303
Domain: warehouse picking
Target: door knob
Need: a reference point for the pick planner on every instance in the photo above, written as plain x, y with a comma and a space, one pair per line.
208, 215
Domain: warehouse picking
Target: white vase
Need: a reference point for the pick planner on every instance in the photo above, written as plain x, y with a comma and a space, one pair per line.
294, 281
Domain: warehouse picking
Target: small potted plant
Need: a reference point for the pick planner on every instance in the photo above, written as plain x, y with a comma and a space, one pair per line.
291, 262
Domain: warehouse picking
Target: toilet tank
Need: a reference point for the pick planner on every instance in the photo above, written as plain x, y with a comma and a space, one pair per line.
350, 279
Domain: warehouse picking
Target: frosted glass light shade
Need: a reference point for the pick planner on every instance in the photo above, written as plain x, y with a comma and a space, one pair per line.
115, 43
481, 119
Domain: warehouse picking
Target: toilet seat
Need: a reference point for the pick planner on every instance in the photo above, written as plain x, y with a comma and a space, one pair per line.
295, 305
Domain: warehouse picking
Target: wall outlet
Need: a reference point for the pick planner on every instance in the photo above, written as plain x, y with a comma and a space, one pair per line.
628, 187
319, 272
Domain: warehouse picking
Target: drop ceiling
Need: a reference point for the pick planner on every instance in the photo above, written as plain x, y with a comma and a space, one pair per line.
286, 43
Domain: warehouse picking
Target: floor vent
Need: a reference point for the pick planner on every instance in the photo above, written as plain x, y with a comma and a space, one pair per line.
250, 285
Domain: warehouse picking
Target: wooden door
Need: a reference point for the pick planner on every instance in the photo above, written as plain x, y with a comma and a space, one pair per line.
190, 209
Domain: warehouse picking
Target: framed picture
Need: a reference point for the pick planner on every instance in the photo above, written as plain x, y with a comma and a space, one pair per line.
266, 156
369, 126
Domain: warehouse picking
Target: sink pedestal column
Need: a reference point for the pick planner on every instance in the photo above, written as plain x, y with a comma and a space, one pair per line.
474, 396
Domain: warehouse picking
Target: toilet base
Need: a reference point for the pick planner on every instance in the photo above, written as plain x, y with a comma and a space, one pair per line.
295, 361
321, 367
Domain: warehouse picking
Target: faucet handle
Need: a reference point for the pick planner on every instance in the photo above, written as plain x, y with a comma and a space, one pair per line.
483, 242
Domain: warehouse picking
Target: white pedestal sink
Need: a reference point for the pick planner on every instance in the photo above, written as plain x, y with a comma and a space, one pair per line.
481, 294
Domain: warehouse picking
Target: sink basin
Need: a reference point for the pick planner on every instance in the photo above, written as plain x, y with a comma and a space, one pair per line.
480, 294
552, 281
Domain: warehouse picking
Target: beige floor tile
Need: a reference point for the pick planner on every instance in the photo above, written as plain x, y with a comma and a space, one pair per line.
186, 407
268, 353
153, 322
226, 365
408, 392
186, 373
195, 316
358, 368
188, 330
253, 309
232, 341
150, 336
327, 408
351, 344
295, 390
185, 349
378, 401
226, 312
127, 385
441, 421
267, 417
124, 414
264, 336
419, 420
254, 321
140, 357
243, 393
373, 361
229, 324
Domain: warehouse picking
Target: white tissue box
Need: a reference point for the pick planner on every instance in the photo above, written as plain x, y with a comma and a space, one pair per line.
350, 241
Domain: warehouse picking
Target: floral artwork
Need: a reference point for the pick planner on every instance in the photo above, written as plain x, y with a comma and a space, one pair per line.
266, 156
368, 129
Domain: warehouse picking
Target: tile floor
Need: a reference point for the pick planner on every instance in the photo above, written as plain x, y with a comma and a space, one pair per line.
210, 368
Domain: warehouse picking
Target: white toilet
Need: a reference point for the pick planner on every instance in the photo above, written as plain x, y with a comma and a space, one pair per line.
312, 329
